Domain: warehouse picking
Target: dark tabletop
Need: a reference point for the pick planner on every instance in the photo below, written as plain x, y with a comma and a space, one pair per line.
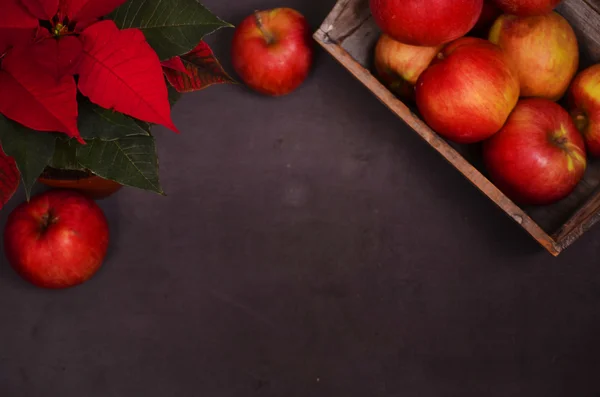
309, 246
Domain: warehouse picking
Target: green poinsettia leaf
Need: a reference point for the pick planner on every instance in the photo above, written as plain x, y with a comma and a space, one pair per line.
174, 95
146, 126
95, 122
65, 155
31, 150
171, 27
130, 161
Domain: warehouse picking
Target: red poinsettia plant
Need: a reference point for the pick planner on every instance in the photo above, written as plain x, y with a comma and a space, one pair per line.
83, 81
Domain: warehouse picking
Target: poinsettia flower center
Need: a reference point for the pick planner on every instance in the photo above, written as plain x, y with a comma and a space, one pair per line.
60, 30
56, 27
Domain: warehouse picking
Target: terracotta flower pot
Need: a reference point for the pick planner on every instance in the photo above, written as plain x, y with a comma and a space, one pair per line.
85, 182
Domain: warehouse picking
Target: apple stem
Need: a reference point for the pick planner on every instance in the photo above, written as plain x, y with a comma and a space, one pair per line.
48, 219
561, 141
259, 22
581, 121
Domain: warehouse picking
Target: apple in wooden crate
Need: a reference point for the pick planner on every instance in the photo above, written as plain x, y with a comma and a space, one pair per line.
527, 7
56, 240
538, 157
272, 51
426, 22
584, 104
543, 49
468, 91
399, 65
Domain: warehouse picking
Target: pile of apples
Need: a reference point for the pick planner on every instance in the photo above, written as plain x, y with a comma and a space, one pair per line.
494, 73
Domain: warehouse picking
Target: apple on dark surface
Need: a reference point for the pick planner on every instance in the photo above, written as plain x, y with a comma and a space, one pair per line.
527, 7
57, 240
538, 157
544, 50
426, 23
399, 65
468, 91
272, 51
584, 104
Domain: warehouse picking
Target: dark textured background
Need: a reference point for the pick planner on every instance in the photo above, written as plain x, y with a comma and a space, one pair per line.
309, 246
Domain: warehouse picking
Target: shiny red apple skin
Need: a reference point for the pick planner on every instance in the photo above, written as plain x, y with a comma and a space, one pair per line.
272, 51
526, 8
399, 65
468, 92
538, 157
544, 49
426, 23
584, 105
57, 240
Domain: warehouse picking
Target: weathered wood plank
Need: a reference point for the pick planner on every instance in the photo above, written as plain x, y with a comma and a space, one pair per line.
348, 17
335, 16
585, 217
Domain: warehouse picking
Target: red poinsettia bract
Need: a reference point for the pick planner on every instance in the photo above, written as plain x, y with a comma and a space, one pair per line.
44, 44
9, 178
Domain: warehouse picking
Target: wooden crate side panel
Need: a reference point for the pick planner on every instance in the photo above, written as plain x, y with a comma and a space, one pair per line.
355, 30
586, 217
439, 144
334, 16
584, 17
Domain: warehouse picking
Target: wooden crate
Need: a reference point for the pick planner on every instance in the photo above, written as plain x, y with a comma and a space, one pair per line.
349, 34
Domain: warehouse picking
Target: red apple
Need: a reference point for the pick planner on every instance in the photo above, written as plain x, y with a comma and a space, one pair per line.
468, 91
584, 104
543, 49
527, 7
538, 157
272, 51
488, 16
426, 22
56, 240
399, 65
